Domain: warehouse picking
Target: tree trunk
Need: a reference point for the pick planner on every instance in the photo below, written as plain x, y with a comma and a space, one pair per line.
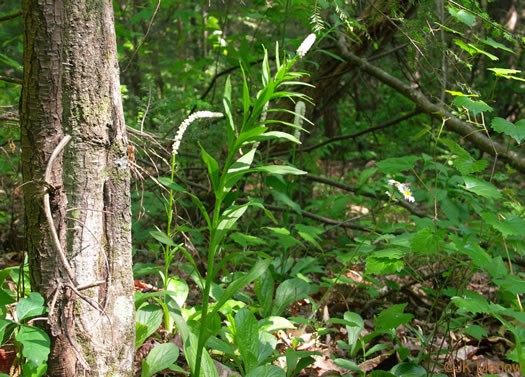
71, 87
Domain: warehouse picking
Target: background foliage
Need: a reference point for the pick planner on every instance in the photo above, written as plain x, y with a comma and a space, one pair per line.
343, 272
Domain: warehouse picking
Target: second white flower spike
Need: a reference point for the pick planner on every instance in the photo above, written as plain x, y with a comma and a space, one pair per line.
306, 45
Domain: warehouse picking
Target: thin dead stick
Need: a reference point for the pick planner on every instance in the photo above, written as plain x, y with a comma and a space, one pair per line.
47, 209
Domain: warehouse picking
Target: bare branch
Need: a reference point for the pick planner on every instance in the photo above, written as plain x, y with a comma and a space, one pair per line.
12, 80
437, 111
11, 16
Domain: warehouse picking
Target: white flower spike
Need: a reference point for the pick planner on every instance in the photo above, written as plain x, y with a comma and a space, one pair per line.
184, 125
306, 45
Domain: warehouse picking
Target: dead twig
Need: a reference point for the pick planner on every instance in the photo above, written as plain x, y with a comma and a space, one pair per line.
47, 209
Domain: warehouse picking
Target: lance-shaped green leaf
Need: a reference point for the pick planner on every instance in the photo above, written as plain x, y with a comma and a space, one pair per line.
247, 338
227, 103
213, 168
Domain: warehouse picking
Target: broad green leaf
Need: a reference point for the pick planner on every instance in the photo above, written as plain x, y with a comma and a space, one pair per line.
160, 357
267, 371
347, 364
511, 283
382, 373
31, 369
476, 332
408, 370
478, 256
208, 369
180, 287
260, 267
310, 234
516, 131
30, 306
148, 319
264, 288
35, 343
382, 266
353, 329
472, 303
162, 237
272, 324
289, 291
365, 175
462, 16
5, 298
475, 107
247, 338
397, 164
285, 199
481, 187
392, 317
512, 226
4, 323
426, 241
213, 168
465, 163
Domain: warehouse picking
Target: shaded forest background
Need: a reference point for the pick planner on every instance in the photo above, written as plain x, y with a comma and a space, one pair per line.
400, 250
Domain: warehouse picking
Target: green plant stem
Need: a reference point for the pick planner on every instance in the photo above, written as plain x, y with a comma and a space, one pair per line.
210, 272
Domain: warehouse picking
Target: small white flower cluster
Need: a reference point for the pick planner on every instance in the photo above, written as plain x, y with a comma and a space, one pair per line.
184, 125
403, 189
306, 45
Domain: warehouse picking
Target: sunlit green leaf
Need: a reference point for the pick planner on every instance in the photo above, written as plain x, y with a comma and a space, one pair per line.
481, 187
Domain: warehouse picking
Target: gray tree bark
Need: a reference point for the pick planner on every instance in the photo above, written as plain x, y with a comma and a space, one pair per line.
71, 87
